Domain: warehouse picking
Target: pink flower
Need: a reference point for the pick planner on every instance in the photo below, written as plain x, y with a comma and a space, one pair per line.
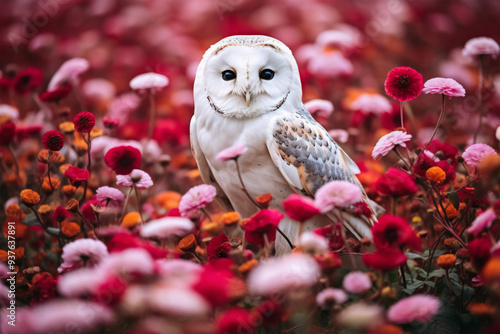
482, 222
149, 80
318, 107
178, 302
140, 178
131, 262
167, 226
300, 208
371, 104
9, 112
123, 105
82, 282
445, 86
329, 295
313, 243
107, 194
329, 64
481, 46
339, 135
232, 152
388, 142
357, 282
196, 198
414, 308
176, 272
59, 316
280, 274
344, 39
475, 153
69, 71
86, 252
337, 194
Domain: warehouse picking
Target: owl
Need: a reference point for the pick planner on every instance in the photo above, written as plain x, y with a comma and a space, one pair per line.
248, 91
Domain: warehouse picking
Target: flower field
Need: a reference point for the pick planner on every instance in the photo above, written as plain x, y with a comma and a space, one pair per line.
108, 227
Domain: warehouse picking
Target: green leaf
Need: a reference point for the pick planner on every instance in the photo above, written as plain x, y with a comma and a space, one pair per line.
410, 289
446, 321
454, 199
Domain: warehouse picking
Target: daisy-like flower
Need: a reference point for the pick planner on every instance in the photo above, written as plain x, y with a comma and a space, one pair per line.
403, 83
419, 308
232, 152
337, 194
53, 140
69, 71
357, 282
279, 274
474, 154
396, 183
371, 104
196, 198
140, 178
318, 107
167, 226
261, 225
27, 81
109, 195
482, 222
149, 80
388, 142
86, 252
481, 46
84, 121
331, 295
123, 159
445, 86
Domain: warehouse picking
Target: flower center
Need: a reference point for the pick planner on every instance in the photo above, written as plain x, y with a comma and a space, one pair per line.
403, 81
391, 234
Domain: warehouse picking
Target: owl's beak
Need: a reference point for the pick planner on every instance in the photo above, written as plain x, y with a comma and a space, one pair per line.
248, 98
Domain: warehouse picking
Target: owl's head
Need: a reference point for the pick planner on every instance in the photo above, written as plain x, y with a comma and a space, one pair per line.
247, 76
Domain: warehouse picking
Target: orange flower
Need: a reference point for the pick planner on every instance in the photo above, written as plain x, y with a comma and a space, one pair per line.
435, 174
14, 210
68, 190
211, 227
193, 174
131, 219
46, 184
70, 229
491, 271
72, 205
247, 266
446, 261
30, 197
44, 209
452, 244
18, 254
264, 200
95, 132
168, 199
55, 157
20, 229
230, 218
481, 309
386, 329
188, 243
67, 127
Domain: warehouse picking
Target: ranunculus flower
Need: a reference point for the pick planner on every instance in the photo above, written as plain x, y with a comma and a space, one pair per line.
357, 282
111, 195
140, 178
27, 81
482, 222
360, 316
386, 143
83, 252
218, 247
394, 231
123, 159
403, 83
53, 140
419, 308
445, 86
396, 183
384, 259
263, 222
196, 198
300, 208
475, 153
337, 194
77, 175
84, 121
236, 320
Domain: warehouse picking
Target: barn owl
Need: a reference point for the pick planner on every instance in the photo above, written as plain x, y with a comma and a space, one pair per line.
247, 91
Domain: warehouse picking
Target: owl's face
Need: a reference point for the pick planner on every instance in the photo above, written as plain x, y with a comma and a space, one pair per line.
247, 80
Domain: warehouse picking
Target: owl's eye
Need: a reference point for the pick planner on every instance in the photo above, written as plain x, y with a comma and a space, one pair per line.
228, 75
267, 74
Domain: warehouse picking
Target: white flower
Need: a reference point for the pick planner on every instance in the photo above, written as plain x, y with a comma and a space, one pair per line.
69, 71
9, 111
149, 80
181, 302
313, 242
167, 226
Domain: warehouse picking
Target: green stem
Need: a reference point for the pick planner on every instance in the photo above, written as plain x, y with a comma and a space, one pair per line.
401, 110
125, 205
138, 203
480, 96
152, 114
438, 122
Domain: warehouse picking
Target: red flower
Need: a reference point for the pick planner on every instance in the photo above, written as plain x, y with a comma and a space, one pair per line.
218, 247
110, 123
263, 222
384, 259
300, 208
361, 209
53, 140
60, 214
7, 132
215, 282
124, 241
393, 231
444, 151
403, 83
236, 320
55, 95
27, 81
111, 291
84, 121
123, 159
77, 175
425, 162
396, 183
87, 210
480, 251
43, 288
333, 234
271, 313
30, 131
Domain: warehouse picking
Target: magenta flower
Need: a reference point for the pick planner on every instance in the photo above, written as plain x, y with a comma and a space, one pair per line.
196, 198
481, 46
371, 104
111, 195
388, 142
69, 71
474, 154
83, 282
167, 226
445, 86
331, 295
149, 80
140, 178
232, 152
337, 194
82, 252
414, 308
318, 107
403, 83
300, 208
482, 222
357, 282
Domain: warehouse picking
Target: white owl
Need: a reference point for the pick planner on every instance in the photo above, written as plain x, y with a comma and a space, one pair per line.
247, 91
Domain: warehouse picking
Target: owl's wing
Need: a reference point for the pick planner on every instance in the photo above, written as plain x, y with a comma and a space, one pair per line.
308, 158
204, 168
